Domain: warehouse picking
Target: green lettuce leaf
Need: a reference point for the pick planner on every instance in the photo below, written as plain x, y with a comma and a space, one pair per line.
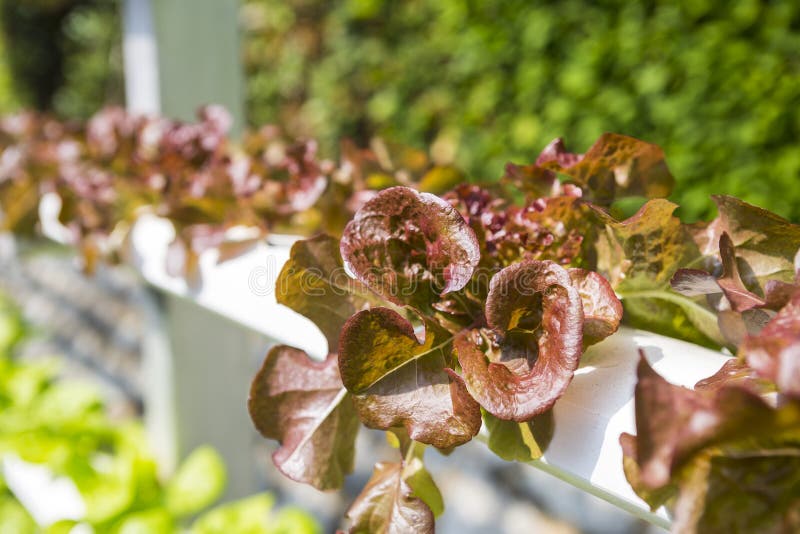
519, 442
198, 482
639, 256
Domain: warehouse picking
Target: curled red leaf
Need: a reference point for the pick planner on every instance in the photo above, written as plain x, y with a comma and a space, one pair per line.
774, 353
537, 317
602, 310
410, 247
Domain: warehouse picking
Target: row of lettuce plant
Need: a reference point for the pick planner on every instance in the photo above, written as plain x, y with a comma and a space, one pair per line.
446, 314
115, 166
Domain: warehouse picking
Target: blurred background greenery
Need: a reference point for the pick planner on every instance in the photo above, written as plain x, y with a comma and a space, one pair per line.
60, 55
63, 424
716, 84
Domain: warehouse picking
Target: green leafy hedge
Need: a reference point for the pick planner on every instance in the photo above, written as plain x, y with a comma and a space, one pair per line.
716, 84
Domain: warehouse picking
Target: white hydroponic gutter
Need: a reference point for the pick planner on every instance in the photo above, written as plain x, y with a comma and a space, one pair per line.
596, 408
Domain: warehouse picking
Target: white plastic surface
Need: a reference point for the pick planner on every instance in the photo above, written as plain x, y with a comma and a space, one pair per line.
241, 289
46, 497
598, 406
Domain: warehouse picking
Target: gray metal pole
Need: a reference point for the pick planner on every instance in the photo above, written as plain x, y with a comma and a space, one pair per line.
199, 57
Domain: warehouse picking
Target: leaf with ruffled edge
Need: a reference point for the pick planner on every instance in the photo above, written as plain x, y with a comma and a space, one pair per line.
741, 312
639, 256
602, 310
410, 247
537, 316
765, 242
387, 504
398, 380
704, 452
614, 166
303, 404
774, 353
674, 423
313, 283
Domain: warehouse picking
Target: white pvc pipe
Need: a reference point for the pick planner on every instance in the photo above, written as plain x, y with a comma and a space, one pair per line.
140, 56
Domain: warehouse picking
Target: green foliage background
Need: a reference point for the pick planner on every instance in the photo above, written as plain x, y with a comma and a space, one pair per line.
63, 424
716, 84
63, 56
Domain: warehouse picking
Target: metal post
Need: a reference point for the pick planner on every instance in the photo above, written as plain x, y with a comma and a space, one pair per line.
199, 57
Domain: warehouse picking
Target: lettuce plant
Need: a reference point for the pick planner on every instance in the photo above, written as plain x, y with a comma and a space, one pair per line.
724, 456
444, 315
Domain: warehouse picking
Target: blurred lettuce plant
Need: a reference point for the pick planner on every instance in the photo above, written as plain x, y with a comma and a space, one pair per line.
63, 425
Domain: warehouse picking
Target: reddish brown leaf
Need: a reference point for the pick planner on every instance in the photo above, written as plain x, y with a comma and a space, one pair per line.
303, 404
675, 423
614, 166
777, 294
410, 247
617, 165
387, 505
774, 352
400, 381
730, 282
733, 371
602, 310
537, 316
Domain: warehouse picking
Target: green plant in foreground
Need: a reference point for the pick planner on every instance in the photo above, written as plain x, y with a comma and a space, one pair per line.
62, 424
